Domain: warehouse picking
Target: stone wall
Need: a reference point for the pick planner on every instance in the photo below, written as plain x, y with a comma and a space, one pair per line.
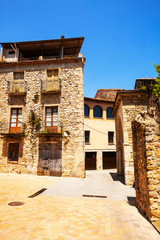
146, 149
140, 164
70, 114
137, 117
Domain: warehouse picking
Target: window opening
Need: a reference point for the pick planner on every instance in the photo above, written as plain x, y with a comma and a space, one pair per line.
18, 82
16, 120
12, 52
86, 111
13, 151
110, 137
109, 113
52, 80
52, 118
87, 137
97, 112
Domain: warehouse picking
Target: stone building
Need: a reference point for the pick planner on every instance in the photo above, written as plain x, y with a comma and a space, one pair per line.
137, 118
42, 107
99, 125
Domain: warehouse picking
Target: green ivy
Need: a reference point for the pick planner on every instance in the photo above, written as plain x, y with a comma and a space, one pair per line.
34, 121
156, 88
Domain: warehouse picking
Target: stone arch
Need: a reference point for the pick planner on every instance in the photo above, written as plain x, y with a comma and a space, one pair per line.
119, 146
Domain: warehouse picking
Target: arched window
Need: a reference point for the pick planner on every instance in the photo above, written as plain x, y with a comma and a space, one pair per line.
109, 113
97, 112
86, 111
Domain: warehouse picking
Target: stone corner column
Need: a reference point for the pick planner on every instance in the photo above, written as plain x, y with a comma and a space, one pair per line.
99, 163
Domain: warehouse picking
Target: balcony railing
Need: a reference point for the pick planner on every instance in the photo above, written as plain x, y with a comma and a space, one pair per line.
16, 88
47, 86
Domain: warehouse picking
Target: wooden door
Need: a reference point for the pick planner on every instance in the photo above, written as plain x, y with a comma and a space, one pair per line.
16, 120
13, 151
50, 155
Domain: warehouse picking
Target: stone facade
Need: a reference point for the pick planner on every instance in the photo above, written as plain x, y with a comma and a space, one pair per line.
33, 101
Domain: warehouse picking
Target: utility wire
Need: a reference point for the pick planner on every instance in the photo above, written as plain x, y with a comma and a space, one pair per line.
95, 129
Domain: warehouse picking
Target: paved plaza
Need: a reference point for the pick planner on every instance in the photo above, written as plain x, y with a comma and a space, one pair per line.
61, 212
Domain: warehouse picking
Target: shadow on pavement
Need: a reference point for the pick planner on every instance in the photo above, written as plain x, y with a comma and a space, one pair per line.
116, 177
132, 201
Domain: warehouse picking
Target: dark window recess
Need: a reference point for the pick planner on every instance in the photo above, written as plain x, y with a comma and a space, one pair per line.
11, 52
13, 151
110, 137
109, 113
87, 136
97, 112
86, 111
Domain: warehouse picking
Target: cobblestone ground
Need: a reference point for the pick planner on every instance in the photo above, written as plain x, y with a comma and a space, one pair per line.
69, 218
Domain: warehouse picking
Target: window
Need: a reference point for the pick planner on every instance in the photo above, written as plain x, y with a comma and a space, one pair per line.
52, 80
86, 111
18, 82
16, 120
109, 113
52, 119
97, 112
87, 137
110, 137
13, 151
11, 52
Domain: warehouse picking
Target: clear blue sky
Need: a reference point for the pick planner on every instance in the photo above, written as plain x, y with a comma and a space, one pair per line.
122, 37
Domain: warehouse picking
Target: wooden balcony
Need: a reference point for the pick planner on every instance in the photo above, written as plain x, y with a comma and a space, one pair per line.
50, 87
16, 89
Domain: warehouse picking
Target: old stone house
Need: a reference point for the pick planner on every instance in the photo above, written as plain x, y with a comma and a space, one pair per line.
99, 125
42, 107
137, 118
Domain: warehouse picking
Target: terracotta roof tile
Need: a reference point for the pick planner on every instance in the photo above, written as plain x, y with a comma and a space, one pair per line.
107, 94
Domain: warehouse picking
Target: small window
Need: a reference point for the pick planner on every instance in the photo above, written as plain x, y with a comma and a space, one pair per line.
97, 112
109, 113
86, 111
87, 137
110, 137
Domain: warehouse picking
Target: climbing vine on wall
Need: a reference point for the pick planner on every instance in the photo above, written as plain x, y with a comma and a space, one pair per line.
34, 121
156, 88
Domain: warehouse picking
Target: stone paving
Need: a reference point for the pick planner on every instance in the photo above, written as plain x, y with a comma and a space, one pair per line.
61, 217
